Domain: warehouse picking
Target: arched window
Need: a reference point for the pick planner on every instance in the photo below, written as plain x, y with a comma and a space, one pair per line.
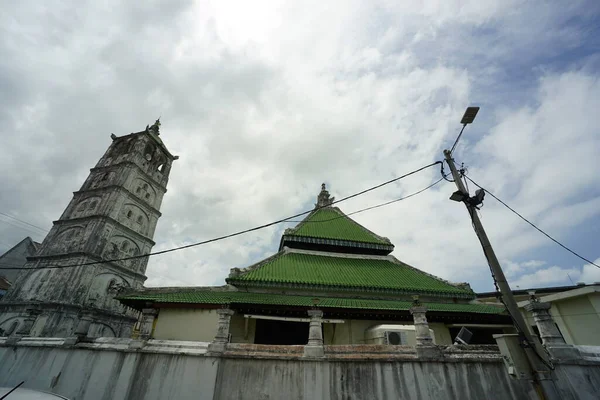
147, 195
129, 214
12, 328
81, 207
139, 219
93, 205
124, 246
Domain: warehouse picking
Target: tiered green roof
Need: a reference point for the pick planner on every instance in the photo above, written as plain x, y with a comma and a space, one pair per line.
332, 223
192, 296
329, 226
330, 254
308, 269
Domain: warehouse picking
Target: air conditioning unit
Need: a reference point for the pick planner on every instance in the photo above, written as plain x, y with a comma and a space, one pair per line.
397, 335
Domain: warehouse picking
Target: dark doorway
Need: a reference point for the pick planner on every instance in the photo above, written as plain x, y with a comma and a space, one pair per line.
270, 331
480, 335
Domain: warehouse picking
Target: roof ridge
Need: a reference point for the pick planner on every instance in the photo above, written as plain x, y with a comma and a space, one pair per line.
383, 238
237, 272
397, 261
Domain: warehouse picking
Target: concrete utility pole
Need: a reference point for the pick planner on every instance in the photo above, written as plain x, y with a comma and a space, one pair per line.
535, 353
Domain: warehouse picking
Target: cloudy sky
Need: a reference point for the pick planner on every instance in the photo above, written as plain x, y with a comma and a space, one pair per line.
265, 100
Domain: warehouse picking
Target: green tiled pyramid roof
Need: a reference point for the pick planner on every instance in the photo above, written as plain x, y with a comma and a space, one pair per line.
301, 269
332, 223
192, 296
330, 226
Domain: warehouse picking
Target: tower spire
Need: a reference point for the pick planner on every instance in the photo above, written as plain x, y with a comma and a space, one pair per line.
323, 199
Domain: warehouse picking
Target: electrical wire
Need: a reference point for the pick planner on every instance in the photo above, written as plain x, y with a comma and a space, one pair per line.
12, 223
532, 224
236, 233
24, 222
375, 206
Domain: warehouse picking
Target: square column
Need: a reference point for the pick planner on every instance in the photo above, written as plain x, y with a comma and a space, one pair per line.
219, 343
549, 333
425, 348
314, 347
418, 312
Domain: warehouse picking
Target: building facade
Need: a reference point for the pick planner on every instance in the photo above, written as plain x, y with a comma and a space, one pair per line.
329, 270
91, 253
575, 310
13, 260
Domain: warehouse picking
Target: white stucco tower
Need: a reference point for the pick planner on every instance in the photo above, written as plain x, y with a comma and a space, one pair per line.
112, 216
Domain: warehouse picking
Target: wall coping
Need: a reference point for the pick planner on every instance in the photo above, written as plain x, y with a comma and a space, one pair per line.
359, 352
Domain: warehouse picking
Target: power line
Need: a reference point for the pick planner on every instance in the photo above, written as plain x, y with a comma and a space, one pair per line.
375, 206
239, 232
532, 224
11, 223
24, 222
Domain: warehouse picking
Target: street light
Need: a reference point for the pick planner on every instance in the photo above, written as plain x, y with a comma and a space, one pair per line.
470, 114
468, 118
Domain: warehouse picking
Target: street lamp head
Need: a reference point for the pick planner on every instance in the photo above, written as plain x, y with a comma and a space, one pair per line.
458, 196
469, 116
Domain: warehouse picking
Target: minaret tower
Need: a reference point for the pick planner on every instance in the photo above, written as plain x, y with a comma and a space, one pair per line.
112, 216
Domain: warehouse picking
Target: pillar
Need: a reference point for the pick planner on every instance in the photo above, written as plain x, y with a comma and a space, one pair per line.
418, 312
425, 348
147, 323
314, 347
219, 343
549, 333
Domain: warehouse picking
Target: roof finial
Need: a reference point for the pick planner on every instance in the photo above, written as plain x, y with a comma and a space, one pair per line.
154, 128
323, 199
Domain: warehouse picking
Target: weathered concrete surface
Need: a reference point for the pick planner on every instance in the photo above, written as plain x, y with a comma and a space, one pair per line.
277, 379
111, 368
103, 374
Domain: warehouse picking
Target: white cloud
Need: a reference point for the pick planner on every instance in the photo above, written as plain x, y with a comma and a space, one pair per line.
590, 273
544, 277
265, 102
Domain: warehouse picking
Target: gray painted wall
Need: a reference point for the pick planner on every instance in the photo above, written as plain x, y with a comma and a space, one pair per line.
112, 369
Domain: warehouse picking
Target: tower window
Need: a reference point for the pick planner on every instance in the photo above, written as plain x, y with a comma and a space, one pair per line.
129, 214
104, 177
139, 219
93, 205
161, 168
124, 246
147, 195
138, 190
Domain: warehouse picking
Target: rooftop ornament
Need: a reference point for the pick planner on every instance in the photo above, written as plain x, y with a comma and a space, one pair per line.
154, 128
323, 199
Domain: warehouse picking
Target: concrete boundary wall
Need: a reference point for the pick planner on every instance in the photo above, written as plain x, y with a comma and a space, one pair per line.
106, 369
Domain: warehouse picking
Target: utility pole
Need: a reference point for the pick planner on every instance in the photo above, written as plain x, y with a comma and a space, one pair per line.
535, 353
